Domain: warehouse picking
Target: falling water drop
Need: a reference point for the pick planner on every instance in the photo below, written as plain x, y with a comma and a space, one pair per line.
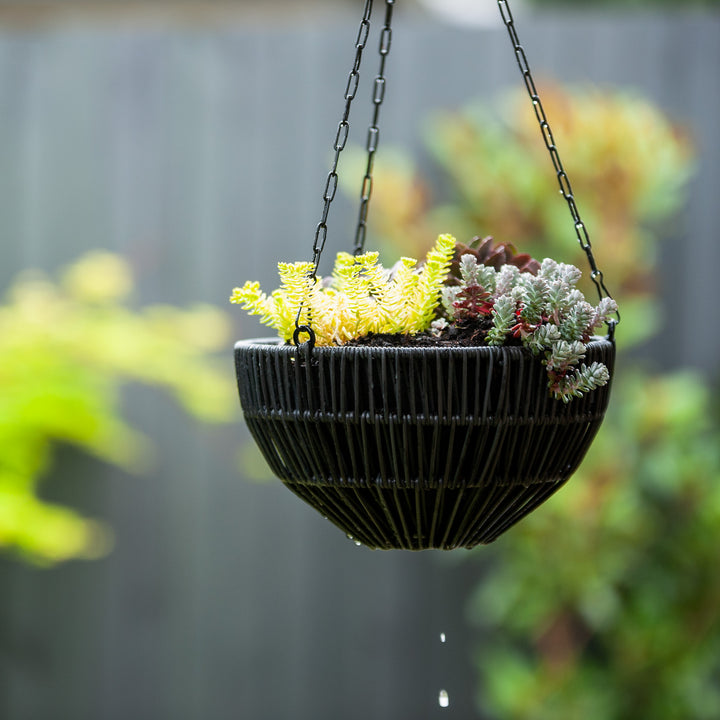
443, 697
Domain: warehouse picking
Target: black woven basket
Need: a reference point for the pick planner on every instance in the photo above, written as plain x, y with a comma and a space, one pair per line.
415, 448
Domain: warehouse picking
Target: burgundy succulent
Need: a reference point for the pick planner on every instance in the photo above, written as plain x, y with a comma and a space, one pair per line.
472, 301
488, 253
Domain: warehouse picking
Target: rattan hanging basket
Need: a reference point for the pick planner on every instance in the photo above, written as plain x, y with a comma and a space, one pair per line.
416, 448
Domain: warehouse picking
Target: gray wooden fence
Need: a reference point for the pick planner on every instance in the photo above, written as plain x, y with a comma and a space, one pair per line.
201, 155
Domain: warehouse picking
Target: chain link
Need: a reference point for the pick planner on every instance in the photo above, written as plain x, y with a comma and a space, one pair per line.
341, 137
581, 231
373, 135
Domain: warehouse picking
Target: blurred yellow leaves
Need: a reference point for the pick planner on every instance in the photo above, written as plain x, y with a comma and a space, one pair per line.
99, 277
66, 349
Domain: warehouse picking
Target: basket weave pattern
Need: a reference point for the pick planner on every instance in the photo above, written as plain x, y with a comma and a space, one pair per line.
416, 448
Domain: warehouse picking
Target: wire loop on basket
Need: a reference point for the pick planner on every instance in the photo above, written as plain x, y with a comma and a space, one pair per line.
299, 330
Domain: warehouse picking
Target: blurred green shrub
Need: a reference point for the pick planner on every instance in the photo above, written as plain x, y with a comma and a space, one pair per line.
65, 351
605, 602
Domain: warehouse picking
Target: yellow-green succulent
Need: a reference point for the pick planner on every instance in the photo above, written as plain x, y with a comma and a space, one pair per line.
362, 296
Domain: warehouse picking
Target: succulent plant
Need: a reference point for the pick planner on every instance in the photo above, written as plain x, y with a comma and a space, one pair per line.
361, 297
477, 294
495, 255
545, 312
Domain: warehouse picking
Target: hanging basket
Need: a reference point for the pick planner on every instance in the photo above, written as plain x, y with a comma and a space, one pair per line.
416, 448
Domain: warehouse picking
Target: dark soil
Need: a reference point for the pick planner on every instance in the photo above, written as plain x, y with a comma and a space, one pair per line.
470, 334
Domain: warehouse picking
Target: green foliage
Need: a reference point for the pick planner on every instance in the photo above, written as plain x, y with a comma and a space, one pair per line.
362, 297
66, 349
606, 602
545, 311
503, 316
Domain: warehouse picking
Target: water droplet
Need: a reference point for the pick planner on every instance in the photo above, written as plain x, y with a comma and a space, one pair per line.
442, 638
444, 699
358, 543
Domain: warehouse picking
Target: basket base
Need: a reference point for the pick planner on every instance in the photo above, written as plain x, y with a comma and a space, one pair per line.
417, 448
438, 518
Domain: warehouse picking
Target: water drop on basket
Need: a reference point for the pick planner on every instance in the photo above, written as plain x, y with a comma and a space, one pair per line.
443, 699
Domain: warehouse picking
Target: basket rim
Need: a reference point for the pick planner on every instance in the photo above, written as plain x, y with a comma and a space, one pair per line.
270, 343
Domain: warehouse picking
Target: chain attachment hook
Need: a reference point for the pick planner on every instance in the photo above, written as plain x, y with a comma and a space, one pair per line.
310, 342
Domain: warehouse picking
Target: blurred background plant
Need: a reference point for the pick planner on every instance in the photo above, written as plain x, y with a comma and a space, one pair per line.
606, 602
628, 165
66, 350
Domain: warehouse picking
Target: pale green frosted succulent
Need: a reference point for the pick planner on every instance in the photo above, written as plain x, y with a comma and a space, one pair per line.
546, 312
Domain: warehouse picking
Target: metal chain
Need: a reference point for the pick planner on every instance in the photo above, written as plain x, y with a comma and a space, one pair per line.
583, 237
341, 137
331, 183
373, 135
